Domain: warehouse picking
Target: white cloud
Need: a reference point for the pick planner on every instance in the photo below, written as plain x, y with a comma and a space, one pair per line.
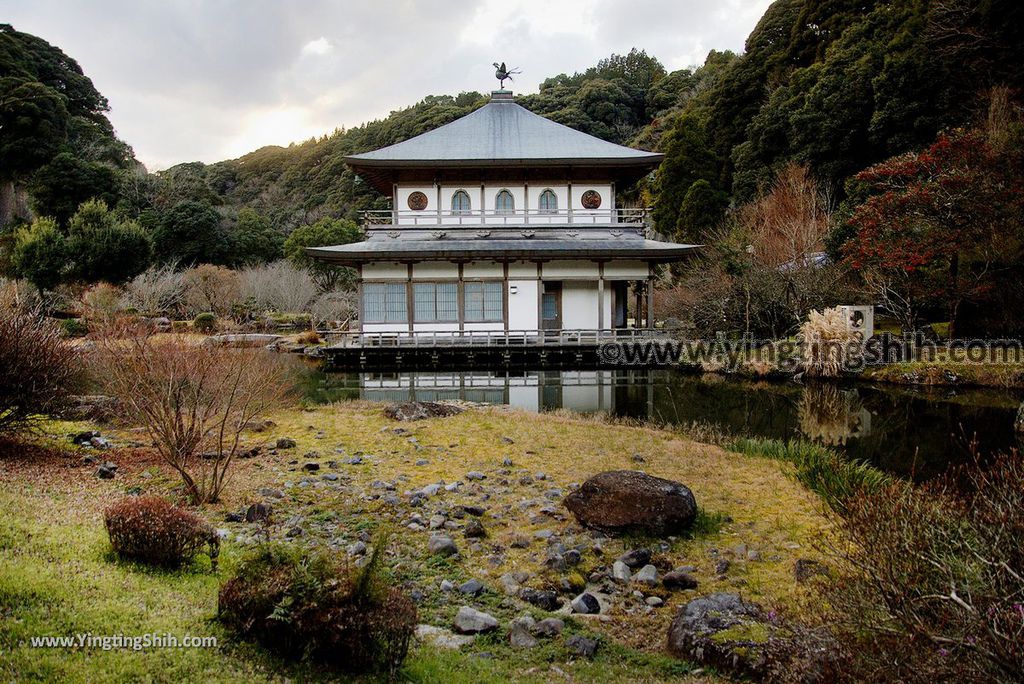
209, 81
320, 46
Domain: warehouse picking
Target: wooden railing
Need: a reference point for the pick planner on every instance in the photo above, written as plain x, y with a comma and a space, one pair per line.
493, 217
487, 338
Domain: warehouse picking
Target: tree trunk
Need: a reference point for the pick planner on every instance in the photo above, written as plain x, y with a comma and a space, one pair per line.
13, 204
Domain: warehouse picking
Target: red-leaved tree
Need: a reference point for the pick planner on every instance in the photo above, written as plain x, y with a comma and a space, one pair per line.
937, 227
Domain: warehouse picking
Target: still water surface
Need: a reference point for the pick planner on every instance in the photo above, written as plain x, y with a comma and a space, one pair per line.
903, 430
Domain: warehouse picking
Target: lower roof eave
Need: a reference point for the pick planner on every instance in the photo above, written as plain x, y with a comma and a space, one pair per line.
639, 253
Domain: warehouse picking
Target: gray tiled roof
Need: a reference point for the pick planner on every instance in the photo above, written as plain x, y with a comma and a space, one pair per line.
502, 132
522, 248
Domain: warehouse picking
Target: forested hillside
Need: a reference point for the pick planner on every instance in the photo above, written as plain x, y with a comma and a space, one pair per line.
824, 91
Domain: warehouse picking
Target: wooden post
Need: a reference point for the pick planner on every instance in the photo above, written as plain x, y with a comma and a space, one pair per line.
600, 297
409, 300
650, 303
461, 294
505, 302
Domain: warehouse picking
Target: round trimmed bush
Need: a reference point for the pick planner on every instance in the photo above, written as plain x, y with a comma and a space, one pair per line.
151, 530
205, 322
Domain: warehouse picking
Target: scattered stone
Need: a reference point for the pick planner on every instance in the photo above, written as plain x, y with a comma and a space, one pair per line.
472, 621
572, 557
107, 470
471, 588
311, 467
422, 462
294, 532
582, 646
330, 477
474, 530
549, 627
646, 575
753, 555
654, 601
234, 517
99, 443
442, 545
442, 638
83, 438
545, 600
509, 584
508, 440
722, 566
697, 634
437, 521
676, 580
474, 510
271, 493
586, 604
475, 475
519, 635
520, 541
356, 549
446, 585
285, 443
629, 500
258, 512
420, 410
621, 571
636, 558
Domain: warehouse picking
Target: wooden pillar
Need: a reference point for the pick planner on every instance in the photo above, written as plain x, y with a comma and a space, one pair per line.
359, 294
650, 303
439, 220
600, 295
505, 302
638, 305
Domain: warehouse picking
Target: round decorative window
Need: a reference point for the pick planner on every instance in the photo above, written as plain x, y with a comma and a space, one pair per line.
417, 201
591, 199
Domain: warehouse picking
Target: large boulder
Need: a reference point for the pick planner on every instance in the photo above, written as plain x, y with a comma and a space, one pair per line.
420, 410
631, 501
723, 631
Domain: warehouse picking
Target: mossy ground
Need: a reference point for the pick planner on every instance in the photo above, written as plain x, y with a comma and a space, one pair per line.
57, 576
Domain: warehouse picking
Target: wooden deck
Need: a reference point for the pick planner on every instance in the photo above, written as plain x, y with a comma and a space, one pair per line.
476, 349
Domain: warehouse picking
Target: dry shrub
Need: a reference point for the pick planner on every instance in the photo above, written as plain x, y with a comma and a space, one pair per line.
101, 302
194, 400
157, 290
39, 370
929, 581
308, 337
335, 308
150, 530
211, 288
309, 604
829, 346
279, 286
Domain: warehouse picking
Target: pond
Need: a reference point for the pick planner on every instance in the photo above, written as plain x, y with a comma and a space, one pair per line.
904, 430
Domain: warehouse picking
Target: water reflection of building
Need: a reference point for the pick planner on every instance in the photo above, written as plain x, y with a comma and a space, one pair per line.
832, 416
585, 391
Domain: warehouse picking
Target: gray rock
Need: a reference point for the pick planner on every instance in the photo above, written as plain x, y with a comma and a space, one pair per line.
437, 521
471, 588
621, 571
636, 558
509, 584
442, 638
545, 600
586, 604
446, 585
519, 635
549, 627
472, 621
356, 549
475, 475
474, 530
693, 634
107, 470
654, 601
431, 489
582, 646
330, 477
722, 566
420, 410
285, 443
646, 575
442, 545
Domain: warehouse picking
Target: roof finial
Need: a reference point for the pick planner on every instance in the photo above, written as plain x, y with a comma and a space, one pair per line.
503, 73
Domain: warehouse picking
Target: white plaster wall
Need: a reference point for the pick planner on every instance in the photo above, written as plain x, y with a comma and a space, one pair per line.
602, 214
522, 269
435, 327
524, 398
494, 326
553, 270
483, 269
385, 327
523, 305
579, 305
383, 270
518, 196
427, 270
626, 270
407, 216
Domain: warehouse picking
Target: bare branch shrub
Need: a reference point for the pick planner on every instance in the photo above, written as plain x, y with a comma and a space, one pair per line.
278, 286
930, 583
211, 288
193, 399
157, 290
39, 369
335, 308
101, 302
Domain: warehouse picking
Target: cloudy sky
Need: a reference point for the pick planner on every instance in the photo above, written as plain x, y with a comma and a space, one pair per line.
210, 80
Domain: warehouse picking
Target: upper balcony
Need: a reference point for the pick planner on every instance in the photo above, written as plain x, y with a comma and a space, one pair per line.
634, 217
